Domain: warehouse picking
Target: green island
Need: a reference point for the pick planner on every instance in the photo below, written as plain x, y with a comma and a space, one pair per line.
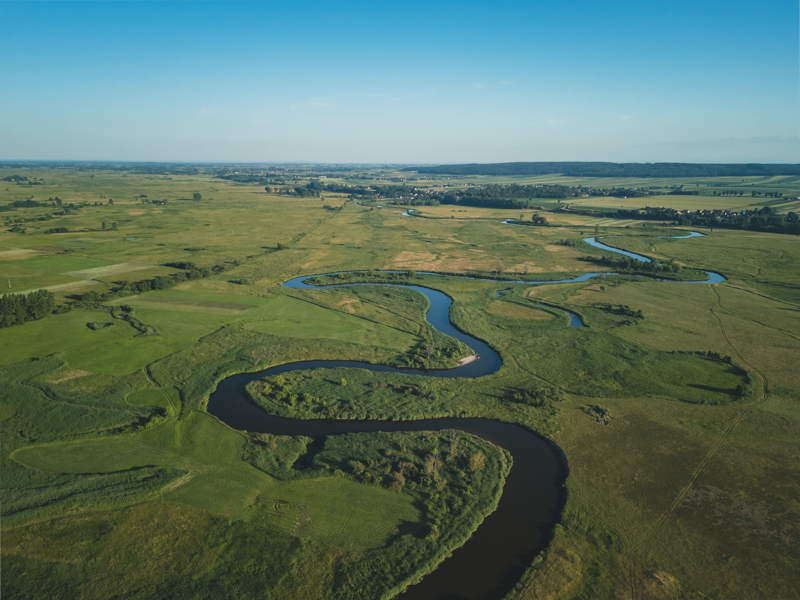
131, 291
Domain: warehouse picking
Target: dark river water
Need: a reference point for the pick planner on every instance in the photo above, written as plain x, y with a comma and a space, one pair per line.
488, 565
497, 554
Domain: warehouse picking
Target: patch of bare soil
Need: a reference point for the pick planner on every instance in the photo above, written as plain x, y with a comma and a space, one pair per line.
69, 375
346, 305
108, 270
515, 311
18, 253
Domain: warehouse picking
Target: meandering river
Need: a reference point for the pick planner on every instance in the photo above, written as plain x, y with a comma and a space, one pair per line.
488, 565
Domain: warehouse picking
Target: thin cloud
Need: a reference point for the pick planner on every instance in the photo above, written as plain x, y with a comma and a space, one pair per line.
318, 102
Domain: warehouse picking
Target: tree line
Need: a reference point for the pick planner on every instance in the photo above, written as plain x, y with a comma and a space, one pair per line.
16, 309
512, 196
505, 196
189, 271
609, 169
626, 264
764, 219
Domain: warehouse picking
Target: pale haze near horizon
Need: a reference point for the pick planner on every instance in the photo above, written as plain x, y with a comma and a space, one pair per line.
436, 82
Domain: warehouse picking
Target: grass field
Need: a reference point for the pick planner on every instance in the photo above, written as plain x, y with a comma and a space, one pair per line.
116, 481
338, 511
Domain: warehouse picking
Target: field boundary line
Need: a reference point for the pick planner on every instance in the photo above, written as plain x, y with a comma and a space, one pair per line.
303, 234
742, 289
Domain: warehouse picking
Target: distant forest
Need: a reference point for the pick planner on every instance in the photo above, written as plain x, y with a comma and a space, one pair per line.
608, 169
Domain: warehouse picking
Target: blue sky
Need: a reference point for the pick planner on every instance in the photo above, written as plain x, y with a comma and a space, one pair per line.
399, 82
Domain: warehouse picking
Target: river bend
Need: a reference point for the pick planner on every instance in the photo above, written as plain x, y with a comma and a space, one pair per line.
488, 565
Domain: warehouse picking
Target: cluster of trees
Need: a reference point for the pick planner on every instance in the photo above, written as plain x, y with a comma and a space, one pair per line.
615, 192
305, 191
600, 413
504, 196
711, 354
182, 264
536, 220
16, 309
544, 398
626, 264
494, 195
620, 309
512, 196
317, 186
360, 277
764, 219
30, 203
21, 179
360, 190
127, 313
313, 189
609, 169
69, 210
400, 194
440, 469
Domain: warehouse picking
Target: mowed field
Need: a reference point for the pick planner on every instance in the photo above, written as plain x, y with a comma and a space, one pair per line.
687, 489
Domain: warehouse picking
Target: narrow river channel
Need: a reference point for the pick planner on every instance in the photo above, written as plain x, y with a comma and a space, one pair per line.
488, 565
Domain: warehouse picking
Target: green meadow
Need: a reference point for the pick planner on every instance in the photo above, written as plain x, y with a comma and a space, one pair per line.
677, 407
